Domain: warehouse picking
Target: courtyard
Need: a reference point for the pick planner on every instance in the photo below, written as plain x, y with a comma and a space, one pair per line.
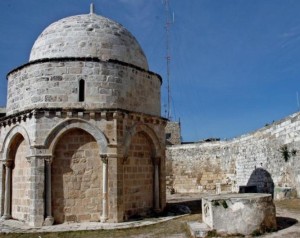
169, 226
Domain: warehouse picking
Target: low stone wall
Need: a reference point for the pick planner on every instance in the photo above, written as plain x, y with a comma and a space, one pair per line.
267, 158
199, 167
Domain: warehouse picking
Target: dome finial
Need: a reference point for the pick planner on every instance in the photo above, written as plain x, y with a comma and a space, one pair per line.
92, 8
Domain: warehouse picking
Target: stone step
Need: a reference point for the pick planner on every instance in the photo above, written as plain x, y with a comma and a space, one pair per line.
198, 229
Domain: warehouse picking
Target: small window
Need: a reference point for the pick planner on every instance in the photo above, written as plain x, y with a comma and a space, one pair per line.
168, 136
81, 90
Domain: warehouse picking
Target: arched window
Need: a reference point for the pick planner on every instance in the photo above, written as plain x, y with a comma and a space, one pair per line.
81, 90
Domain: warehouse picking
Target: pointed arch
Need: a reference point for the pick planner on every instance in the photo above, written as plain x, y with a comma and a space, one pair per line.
54, 135
10, 137
137, 128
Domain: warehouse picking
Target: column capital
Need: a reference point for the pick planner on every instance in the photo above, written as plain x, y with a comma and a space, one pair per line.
104, 158
8, 163
28, 158
156, 160
48, 159
38, 156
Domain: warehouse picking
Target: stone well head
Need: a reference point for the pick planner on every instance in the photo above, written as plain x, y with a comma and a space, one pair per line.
242, 213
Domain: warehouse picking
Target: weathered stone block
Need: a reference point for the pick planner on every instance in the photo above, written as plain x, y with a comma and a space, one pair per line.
239, 213
198, 230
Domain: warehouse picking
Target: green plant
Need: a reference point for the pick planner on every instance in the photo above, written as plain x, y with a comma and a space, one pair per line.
256, 233
220, 202
224, 204
286, 154
212, 233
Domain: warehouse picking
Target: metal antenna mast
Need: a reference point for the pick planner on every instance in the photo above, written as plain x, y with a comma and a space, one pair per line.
168, 56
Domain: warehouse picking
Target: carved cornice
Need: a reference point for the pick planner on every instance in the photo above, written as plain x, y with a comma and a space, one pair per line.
85, 59
105, 114
16, 118
47, 158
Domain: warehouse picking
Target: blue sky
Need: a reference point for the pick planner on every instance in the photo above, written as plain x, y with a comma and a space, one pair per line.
235, 64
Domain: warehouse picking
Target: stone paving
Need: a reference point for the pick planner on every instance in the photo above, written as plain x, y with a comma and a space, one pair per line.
14, 226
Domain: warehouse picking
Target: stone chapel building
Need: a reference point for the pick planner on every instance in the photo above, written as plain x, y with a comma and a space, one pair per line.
82, 138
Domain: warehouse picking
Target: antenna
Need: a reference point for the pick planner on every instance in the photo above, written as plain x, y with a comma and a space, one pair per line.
168, 56
298, 101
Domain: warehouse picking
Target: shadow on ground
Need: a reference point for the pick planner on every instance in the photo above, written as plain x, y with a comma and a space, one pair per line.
193, 205
285, 222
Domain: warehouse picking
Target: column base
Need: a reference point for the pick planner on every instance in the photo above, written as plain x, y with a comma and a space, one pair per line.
157, 210
5, 217
48, 221
103, 219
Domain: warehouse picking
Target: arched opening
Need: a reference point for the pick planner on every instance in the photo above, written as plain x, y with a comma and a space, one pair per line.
263, 181
20, 182
81, 90
76, 178
139, 177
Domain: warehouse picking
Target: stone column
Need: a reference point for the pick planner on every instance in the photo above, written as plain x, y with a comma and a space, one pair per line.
104, 216
156, 185
7, 194
2, 188
115, 189
49, 220
36, 191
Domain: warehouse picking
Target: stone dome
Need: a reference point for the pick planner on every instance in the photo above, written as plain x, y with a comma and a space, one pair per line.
88, 35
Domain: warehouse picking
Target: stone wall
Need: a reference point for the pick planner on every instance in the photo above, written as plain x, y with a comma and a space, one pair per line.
21, 183
138, 177
131, 145
270, 157
199, 167
55, 84
267, 158
76, 178
173, 133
